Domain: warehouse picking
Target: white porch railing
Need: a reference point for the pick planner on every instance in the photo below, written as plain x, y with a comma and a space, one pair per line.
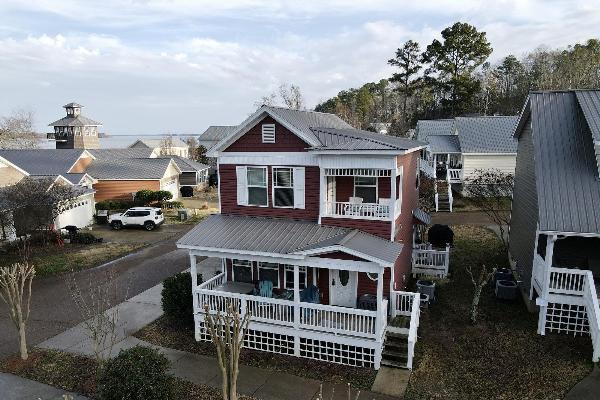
408, 304
429, 261
593, 312
357, 210
338, 320
454, 175
450, 198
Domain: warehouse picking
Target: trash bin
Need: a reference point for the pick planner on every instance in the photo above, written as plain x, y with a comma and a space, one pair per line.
506, 290
102, 217
426, 287
182, 214
424, 300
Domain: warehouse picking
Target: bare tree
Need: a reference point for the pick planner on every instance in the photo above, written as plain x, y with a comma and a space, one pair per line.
15, 291
269, 100
227, 331
17, 132
491, 191
97, 304
166, 145
479, 283
291, 96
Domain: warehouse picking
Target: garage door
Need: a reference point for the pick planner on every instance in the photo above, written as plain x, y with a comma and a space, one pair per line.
80, 214
173, 187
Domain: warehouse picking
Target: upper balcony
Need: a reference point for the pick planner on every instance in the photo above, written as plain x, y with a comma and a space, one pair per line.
371, 194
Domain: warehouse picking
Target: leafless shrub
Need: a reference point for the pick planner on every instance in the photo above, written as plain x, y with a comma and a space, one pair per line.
479, 281
16, 131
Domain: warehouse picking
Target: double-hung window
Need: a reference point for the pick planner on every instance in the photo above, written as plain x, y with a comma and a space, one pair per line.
257, 186
269, 272
366, 188
289, 277
283, 187
242, 271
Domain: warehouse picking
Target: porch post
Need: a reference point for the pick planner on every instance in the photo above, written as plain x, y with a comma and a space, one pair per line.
434, 166
296, 309
543, 302
314, 276
392, 202
322, 193
194, 274
380, 315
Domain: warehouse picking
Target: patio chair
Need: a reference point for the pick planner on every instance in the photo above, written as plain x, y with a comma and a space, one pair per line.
354, 208
310, 295
265, 289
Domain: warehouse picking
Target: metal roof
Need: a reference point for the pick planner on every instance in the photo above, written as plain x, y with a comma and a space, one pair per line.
355, 139
428, 127
73, 105
155, 143
568, 189
422, 216
78, 120
444, 143
43, 161
216, 132
283, 236
589, 100
116, 154
490, 134
129, 168
187, 165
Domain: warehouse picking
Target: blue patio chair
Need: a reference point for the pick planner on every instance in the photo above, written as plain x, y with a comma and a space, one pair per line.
310, 295
265, 289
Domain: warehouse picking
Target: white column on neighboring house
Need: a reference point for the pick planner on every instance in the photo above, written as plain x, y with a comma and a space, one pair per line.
392, 202
194, 274
379, 322
543, 302
322, 192
434, 166
296, 309
314, 276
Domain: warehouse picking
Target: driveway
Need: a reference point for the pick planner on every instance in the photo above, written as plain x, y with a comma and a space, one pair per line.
52, 308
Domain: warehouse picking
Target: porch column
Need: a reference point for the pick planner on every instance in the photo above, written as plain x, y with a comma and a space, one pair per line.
194, 274
380, 316
543, 302
434, 166
296, 309
392, 202
322, 193
314, 276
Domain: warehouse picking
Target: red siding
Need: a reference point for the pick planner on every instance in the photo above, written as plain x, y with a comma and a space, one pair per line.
229, 196
284, 139
121, 190
404, 223
377, 228
323, 284
368, 286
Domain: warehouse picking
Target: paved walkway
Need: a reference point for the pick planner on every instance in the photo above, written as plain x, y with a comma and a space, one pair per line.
16, 388
588, 388
144, 308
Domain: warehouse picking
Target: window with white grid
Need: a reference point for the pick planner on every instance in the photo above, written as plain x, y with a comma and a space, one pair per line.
289, 277
269, 272
268, 133
242, 271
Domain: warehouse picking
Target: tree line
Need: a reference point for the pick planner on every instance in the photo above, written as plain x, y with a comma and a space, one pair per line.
452, 77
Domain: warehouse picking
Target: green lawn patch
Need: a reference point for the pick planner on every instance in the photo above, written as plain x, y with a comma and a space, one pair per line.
502, 357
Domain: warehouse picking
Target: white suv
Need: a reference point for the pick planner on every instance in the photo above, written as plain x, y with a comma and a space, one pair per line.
148, 217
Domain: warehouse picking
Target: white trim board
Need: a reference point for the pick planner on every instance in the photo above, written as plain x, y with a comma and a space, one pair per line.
268, 158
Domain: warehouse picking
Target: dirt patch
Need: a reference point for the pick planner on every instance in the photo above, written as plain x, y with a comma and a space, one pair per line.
502, 357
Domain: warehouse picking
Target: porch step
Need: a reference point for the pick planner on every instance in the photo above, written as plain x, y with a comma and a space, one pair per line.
395, 349
394, 364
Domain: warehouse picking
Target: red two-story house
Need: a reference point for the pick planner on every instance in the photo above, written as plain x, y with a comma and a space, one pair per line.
315, 236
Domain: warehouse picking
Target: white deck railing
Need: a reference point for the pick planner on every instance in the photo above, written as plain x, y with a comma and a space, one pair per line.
593, 312
357, 210
454, 175
429, 261
450, 197
314, 317
408, 304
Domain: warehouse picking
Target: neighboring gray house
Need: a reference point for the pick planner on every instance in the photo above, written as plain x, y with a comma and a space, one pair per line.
167, 146
459, 147
193, 173
214, 133
555, 221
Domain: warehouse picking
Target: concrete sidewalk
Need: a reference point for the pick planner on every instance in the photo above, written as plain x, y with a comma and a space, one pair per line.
588, 388
16, 388
144, 308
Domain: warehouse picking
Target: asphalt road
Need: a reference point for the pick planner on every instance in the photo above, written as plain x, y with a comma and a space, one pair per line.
53, 309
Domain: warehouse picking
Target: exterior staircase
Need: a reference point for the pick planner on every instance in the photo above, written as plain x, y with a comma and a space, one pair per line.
395, 346
442, 196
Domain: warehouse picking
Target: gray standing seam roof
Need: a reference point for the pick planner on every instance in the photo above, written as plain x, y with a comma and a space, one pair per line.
282, 236
491, 134
428, 127
187, 165
565, 165
355, 139
589, 100
444, 143
43, 161
154, 143
117, 154
129, 168
217, 132
79, 120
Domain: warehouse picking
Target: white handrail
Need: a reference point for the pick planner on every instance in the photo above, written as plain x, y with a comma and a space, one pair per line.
357, 210
408, 303
213, 282
593, 313
431, 261
450, 199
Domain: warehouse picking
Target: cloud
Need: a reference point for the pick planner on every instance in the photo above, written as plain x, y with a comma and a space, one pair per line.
157, 65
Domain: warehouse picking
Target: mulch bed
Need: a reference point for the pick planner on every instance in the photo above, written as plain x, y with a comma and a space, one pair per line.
502, 357
162, 333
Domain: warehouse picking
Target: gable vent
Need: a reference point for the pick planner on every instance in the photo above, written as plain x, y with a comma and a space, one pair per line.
268, 133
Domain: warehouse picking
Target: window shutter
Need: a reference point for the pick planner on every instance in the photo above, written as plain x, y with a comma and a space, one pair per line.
242, 186
268, 133
299, 187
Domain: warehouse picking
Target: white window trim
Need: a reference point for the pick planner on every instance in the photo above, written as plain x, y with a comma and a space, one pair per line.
290, 268
235, 262
376, 186
273, 187
270, 129
262, 266
248, 186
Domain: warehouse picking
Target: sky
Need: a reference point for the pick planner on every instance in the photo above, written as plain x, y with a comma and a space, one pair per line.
177, 66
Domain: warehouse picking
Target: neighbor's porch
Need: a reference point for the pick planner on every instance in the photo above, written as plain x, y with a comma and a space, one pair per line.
445, 166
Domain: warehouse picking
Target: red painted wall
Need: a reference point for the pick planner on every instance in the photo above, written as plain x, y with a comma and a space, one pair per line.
377, 228
229, 204
344, 187
252, 140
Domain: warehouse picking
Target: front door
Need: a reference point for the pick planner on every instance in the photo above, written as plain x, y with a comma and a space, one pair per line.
342, 287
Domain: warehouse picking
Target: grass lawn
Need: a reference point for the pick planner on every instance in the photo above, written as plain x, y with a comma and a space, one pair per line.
502, 357
77, 374
461, 203
53, 260
164, 334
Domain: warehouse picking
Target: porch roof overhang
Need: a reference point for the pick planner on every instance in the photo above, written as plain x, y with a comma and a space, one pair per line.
422, 216
281, 240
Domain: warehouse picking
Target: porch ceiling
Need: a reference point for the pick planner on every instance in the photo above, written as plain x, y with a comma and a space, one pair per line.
285, 239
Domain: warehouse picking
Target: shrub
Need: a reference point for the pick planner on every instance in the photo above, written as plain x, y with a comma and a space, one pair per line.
187, 191
138, 373
162, 195
172, 204
84, 238
145, 197
114, 205
177, 302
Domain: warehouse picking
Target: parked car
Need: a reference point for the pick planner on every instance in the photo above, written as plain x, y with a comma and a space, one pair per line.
148, 217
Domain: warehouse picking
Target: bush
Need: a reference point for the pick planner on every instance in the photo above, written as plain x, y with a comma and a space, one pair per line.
162, 195
172, 204
187, 191
145, 197
114, 205
84, 238
139, 373
177, 301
